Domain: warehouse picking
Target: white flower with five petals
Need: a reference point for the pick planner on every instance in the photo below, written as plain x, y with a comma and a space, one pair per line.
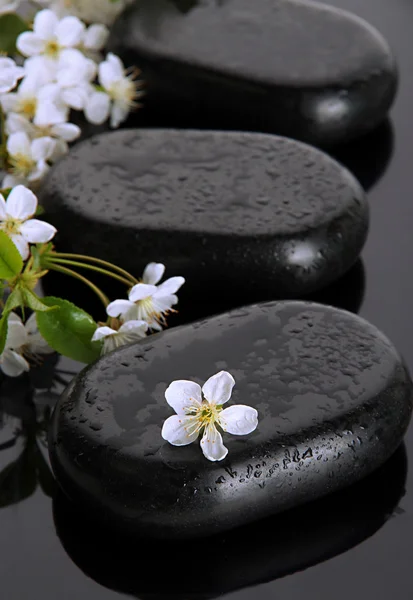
10, 74
51, 36
148, 301
23, 343
119, 96
131, 331
16, 220
27, 159
201, 410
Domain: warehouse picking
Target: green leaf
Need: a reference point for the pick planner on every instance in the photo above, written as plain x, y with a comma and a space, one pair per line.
11, 26
68, 330
34, 302
11, 263
14, 300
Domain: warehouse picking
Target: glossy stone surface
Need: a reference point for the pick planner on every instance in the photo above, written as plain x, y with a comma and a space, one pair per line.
333, 396
296, 68
231, 212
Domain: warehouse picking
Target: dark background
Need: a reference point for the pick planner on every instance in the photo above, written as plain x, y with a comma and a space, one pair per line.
33, 561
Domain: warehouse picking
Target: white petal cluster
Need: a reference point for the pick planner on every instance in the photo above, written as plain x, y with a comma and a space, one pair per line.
16, 220
148, 301
200, 410
63, 71
23, 345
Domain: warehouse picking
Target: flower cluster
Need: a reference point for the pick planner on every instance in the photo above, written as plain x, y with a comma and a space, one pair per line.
27, 255
62, 70
59, 68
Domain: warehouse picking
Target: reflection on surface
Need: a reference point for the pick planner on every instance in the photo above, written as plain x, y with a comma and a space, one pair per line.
26, 403
254, 554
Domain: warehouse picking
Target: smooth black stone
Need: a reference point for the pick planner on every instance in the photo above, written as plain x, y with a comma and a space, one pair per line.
234, 213
301, 69
282, 544
334, 401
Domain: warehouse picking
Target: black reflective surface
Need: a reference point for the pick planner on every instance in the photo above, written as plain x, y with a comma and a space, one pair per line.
339, 550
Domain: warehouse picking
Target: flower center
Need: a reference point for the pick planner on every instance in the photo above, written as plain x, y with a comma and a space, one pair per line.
124, 91
21, 164
52, 49
11, 226
27, 107
203, 415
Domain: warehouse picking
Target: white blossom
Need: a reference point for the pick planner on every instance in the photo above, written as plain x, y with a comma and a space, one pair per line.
10, 74
119, 96
50, 36
148, 301
201, 410
27, 159
127, 333
74, 76
16, 220
23, 344
24, 100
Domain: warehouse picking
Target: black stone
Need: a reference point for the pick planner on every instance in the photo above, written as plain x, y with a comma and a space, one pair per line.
300, 69
334, 401
237, 214
256, 553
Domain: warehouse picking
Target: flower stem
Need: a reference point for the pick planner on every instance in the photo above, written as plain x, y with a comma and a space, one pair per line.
74, 263
3, 143
98, 261
53, 267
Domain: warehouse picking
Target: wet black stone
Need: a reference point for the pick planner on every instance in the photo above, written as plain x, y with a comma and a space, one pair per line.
333, 396
231, 212
301, 69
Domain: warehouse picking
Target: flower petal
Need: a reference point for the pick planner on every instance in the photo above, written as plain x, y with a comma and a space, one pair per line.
66, 131
170, 286
29, 44
119, 307
9, 102
95, 37
135, 328
3, 208
119, 113
174, 431
141, 291
37, 344
21, 203
45, 23
110, 71
42, 148
21, 245
13, 364
183, 394
19, 143
153, 273
97, 108
163, 304
11, 181
37, 232
239, 419
212, 445
70, 31
218, 388
101, 333
16, 334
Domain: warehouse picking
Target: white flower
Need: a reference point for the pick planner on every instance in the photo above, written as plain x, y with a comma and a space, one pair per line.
7, 7
62, 133
91, 11
95, 37
23, 343
16, 221
74, 76
198, 410
24, 100
119, 95
50, 36
27, 159
10, 74
128, 332
147, 301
